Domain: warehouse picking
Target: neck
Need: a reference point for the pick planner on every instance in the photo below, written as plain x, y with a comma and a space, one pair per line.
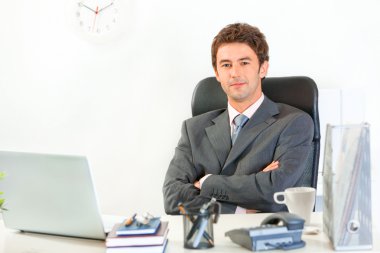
241, 106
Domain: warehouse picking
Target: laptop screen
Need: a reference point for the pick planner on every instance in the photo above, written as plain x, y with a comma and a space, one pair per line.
51, 194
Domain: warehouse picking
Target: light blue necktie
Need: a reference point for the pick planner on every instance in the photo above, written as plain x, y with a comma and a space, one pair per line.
239, 121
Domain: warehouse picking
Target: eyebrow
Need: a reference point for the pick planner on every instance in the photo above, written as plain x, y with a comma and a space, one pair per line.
241, 59
245, 58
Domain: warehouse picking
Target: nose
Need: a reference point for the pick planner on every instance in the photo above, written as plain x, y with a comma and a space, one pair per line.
235, 70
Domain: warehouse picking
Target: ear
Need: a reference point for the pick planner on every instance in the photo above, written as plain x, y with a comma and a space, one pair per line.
216, 74
264, 69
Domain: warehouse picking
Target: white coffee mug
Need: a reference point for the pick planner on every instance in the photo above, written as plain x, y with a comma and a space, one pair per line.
299, 200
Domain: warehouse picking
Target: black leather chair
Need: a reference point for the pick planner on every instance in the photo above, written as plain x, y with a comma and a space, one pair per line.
297, 91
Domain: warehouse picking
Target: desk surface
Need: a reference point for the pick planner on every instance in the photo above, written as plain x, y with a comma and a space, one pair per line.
15, 242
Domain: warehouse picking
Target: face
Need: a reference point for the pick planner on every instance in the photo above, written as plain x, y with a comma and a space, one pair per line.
238, 71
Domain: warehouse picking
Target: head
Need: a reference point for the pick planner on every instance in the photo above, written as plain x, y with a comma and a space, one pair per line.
242, 33
240, 61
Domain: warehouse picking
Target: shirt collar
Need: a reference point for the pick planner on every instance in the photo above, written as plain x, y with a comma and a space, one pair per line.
232, 112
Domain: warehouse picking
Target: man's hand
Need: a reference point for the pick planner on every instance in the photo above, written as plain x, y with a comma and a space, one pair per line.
272, 166
198, 184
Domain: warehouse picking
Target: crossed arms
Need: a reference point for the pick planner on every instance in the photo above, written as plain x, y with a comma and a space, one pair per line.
250, 180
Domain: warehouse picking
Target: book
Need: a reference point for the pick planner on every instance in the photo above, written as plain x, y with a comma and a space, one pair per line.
113, 240
135, 229
139, 249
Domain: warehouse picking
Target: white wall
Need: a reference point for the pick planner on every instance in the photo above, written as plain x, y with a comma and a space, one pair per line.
122, 103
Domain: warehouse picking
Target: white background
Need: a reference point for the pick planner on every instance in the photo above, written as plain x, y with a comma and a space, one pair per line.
121, 102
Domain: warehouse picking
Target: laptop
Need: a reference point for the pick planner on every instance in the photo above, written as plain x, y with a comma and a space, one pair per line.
50, 194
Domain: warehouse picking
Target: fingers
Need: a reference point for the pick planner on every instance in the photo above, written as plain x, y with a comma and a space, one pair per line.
272, 166
197, 185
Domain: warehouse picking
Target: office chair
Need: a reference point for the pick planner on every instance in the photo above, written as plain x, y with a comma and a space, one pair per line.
297, 91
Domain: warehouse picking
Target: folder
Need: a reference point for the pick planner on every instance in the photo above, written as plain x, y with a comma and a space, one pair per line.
347, 216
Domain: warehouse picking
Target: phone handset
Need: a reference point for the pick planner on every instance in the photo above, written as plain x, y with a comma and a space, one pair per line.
291, 221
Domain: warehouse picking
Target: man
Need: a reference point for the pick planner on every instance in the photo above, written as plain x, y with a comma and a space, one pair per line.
239, 160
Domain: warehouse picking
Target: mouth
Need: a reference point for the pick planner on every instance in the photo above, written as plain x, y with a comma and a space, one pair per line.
237, 84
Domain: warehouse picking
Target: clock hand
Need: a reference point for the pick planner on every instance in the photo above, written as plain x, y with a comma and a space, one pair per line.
82, 4
105, 7
96, 14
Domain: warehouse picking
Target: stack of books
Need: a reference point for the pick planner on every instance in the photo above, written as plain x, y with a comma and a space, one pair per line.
135, 238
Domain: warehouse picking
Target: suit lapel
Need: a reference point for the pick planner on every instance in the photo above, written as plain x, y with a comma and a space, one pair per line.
220, 137
262, 119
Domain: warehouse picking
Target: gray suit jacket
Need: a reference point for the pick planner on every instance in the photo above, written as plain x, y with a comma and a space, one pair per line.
275, 132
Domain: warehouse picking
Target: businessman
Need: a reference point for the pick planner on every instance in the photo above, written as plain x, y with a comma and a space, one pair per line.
241, 155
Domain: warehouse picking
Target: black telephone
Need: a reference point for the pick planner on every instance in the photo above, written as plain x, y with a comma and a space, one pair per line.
277, 231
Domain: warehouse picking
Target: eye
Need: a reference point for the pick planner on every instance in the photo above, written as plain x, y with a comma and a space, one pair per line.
226, 65
245, 62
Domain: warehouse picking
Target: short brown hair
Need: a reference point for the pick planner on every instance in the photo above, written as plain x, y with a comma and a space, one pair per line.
243, 33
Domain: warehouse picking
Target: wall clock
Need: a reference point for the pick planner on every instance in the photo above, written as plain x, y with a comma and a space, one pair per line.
97, 17
99, 20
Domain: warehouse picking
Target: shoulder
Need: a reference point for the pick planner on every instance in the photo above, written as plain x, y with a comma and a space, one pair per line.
205, 119
294, 116
287, 115
280, 110
288, 109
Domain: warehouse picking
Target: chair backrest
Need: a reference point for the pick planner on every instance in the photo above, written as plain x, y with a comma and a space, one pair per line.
298, 91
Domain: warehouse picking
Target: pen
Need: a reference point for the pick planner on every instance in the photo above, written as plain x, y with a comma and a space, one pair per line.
201, 231
130, 220
194, 228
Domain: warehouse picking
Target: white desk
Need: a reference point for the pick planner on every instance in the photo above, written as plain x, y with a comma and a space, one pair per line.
16, 242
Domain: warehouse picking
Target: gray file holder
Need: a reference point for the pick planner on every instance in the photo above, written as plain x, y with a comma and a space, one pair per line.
347, 216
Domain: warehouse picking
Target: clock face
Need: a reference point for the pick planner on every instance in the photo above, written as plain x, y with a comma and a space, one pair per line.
97, 17
99, 21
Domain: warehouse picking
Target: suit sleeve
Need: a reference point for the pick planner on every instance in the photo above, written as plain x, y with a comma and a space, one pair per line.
180, 176
255, 191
